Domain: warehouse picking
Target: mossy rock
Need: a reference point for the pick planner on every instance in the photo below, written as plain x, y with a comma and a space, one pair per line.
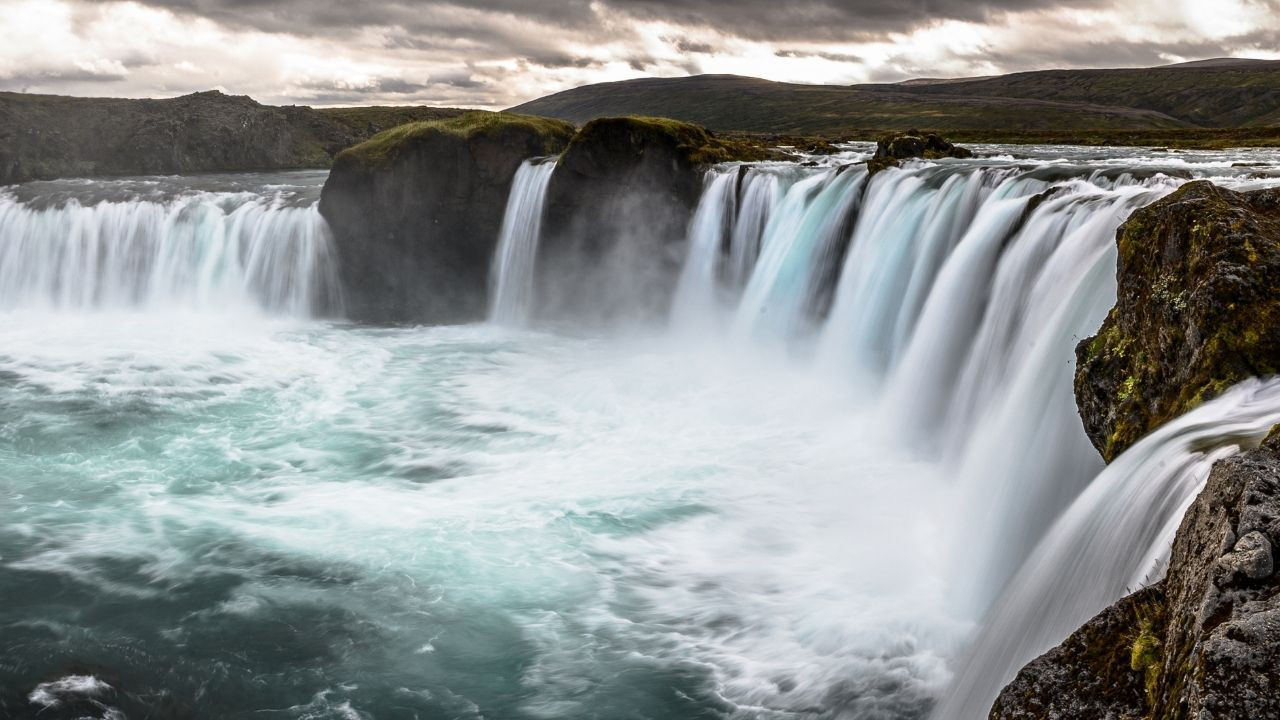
1099, 672
416, 212
1197, 310
382, 150
687, 143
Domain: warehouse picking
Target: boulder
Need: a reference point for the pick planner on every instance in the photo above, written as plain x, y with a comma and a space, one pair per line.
618, 204
892, 149
416, 212
1203, 643
1197, 310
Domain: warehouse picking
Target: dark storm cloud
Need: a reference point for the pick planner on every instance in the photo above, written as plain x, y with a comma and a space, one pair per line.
827, 19
832, 56
433, 17
23, 80
753, 19
689, 46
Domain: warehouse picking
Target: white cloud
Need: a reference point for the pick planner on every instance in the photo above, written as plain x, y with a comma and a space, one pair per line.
495, 57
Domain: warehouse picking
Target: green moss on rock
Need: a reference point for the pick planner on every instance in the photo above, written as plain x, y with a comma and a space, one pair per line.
1197, 310
385, 148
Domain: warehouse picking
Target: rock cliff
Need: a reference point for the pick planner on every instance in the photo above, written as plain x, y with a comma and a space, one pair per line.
416, 212
49, 136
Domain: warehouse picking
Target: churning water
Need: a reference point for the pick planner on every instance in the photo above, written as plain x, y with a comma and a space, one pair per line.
797, 501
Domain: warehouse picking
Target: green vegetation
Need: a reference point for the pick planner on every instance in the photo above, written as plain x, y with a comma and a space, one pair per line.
373, 120
1145, 657
382, 149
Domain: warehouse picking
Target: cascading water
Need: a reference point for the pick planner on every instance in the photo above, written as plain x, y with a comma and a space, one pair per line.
697, 299
963, 293
145, 245
511, 282
1115, 537
802, 244
240, 517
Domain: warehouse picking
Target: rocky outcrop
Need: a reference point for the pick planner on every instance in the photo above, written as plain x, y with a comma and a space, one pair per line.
1198, 310
1091, 674
48, 136
893, 149
617, 207
1204, 643
416, 212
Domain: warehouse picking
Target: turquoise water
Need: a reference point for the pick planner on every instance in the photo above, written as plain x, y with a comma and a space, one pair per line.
214, 506
231, 516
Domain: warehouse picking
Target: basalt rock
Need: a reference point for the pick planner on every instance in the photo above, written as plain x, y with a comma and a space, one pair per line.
1204, 643
892, 149
618, 204
48, 136
416, 212
1198, 310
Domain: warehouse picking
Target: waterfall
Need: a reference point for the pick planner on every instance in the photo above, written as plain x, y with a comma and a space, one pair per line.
697, 296
204, 251
511, 275
950, 299
1114, 538
802, 243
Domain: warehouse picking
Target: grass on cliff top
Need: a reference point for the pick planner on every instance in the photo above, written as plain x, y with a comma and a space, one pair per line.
382, 149
699, 145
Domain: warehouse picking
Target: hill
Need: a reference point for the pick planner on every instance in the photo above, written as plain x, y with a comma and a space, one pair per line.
1219, 94
48, 136
1222, 93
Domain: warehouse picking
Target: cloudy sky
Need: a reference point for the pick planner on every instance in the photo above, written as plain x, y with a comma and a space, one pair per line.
497, 53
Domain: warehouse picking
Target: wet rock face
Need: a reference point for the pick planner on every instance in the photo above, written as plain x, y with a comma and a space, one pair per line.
618, 205
1198, 310
913, 144
1203, 643
416, 213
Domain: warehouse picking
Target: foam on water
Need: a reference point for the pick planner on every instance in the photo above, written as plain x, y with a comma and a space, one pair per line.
445, 519
217, 505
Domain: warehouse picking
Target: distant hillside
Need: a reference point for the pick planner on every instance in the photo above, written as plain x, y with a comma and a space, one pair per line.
1222, 93
48, 136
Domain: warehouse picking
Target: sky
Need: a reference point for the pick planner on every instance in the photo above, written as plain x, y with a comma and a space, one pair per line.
497, 53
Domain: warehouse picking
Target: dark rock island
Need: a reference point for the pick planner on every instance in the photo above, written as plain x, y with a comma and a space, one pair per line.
416, 212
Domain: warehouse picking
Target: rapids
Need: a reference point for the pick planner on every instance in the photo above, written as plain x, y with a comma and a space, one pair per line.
853, 442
